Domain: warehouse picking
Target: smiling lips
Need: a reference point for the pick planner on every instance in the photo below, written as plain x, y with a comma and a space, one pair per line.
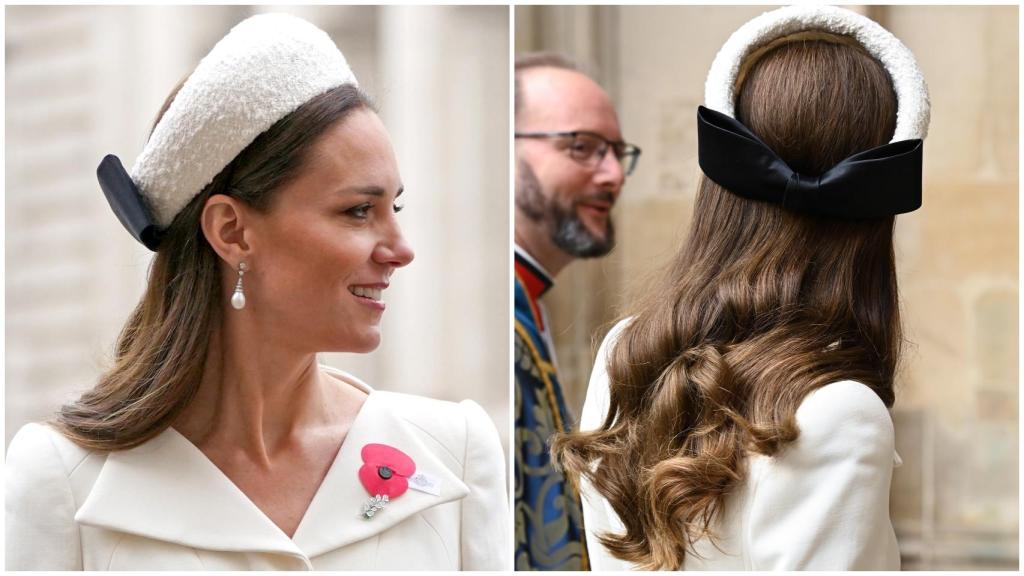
597, 209
369, 294
599, 203
366, 292
600, 207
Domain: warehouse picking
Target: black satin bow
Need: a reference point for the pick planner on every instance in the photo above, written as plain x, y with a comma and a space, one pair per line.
127, 202
879, 182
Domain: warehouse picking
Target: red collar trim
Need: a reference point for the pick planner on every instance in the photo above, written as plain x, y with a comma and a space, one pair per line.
536, 283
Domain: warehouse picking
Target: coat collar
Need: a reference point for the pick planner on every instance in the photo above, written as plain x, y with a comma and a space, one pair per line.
534, 277
166, 489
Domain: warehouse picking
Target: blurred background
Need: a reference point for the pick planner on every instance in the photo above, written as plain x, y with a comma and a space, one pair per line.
82, 82
955, 499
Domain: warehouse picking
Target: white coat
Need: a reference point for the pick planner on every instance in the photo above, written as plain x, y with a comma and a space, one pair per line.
821, 504
164, 505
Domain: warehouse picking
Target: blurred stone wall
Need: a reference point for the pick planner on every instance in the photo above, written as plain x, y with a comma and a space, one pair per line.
955, 499
84, 81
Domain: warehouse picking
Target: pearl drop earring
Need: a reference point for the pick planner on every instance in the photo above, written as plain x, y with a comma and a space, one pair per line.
238, 298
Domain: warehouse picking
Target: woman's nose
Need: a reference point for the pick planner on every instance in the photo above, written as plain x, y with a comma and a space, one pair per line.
394, 250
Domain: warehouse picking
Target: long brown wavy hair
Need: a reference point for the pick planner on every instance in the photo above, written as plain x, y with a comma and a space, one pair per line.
161, 351
760, 307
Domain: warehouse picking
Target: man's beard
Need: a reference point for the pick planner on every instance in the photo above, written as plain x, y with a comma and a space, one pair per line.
567, 231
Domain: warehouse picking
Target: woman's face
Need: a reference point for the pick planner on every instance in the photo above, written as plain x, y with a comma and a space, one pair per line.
324, 252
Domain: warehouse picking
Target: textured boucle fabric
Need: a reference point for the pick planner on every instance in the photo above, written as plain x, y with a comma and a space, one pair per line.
265, 68
911, 92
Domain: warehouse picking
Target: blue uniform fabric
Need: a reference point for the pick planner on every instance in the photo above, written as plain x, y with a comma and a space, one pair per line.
548, 518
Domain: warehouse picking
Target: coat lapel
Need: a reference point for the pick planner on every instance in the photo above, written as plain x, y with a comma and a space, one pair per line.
166, 489
334, 518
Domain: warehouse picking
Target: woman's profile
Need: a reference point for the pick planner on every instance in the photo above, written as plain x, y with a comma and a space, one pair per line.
737, 418
269, 191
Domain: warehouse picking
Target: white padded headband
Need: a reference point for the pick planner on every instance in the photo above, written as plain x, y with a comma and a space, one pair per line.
266, 67
913, 107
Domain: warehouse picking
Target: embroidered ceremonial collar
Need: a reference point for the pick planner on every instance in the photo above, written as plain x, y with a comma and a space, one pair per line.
532, 275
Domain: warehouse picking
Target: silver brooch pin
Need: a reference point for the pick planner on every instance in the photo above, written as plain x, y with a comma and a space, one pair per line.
374, 505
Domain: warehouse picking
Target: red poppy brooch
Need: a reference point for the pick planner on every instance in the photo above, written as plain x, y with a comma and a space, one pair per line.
385, 475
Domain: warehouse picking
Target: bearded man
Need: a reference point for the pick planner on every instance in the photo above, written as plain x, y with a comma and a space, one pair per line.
571, 163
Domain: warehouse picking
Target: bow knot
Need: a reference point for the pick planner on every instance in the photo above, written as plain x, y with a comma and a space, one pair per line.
126, 201
800, 189
876, 183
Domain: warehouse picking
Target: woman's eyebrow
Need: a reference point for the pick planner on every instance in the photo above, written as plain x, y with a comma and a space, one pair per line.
370, 190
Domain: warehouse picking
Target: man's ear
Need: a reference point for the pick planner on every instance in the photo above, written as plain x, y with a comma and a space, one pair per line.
224, 225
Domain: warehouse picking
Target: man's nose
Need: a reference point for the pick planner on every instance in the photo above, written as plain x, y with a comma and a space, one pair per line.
610, 174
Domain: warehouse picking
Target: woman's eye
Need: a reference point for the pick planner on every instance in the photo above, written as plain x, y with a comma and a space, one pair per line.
397, 208
361, 211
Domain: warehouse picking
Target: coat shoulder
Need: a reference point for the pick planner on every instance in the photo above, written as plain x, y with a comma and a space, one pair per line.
38, 444
44, 484
451, 425
823, 501
848, 419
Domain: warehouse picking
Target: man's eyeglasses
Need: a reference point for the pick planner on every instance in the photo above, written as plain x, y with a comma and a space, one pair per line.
589, 148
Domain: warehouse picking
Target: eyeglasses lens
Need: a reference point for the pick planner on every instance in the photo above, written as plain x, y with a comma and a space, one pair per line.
590, 150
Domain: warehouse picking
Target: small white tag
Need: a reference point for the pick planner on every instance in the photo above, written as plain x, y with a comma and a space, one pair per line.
425, 483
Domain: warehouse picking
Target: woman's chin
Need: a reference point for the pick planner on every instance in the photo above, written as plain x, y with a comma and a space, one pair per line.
361, 344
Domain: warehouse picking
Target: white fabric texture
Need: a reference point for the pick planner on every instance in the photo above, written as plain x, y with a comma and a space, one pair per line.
164, 506
266, 67
822, 503
913, 111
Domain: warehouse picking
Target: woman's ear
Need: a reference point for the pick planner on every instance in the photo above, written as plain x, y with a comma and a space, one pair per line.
224, 225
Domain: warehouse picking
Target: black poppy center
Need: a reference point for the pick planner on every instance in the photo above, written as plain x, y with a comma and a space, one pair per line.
385, 472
